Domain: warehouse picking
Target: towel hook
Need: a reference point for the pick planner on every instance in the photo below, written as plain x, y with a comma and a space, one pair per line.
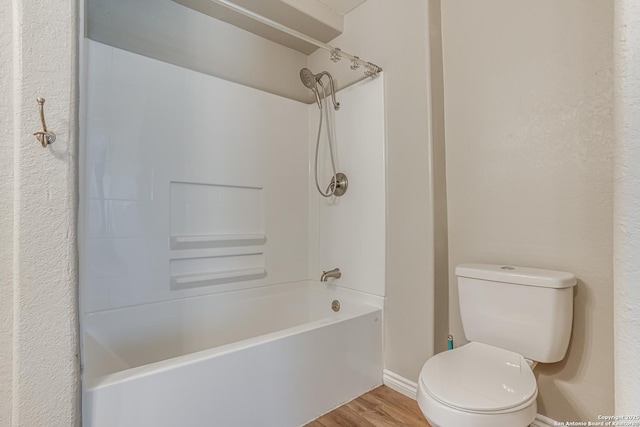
45, 136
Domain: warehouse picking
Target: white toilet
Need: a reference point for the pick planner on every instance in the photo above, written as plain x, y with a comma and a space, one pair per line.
513, 317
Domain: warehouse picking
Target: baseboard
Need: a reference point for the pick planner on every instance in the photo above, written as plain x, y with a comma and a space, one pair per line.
410, 389
400, 384
542, 421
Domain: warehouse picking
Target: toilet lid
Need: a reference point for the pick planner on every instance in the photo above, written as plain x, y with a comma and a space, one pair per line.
479, 377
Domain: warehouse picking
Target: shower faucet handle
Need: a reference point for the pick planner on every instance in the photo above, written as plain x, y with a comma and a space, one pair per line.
338, 185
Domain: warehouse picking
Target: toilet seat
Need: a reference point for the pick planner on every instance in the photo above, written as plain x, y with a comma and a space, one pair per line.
479, 378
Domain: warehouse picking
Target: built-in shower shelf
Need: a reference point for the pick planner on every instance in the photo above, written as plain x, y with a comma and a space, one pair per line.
215, 278
216, 241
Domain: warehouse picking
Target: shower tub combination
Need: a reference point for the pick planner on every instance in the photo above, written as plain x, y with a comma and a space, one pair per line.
273, 356
277, 354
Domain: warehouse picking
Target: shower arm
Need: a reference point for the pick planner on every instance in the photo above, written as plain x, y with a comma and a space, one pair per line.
315, 92
336, 105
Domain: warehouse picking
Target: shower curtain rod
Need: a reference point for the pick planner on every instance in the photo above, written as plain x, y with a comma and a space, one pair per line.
370, 69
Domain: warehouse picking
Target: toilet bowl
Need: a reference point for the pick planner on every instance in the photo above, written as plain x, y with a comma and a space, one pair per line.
508, 313
477, 385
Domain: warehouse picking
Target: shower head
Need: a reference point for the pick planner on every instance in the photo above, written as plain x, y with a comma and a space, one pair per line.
310, 80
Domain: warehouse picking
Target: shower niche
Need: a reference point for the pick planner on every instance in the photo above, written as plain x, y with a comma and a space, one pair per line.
217, 234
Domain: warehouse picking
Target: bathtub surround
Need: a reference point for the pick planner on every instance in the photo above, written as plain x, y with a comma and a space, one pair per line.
627, 206
230, 222
349, 232
528, 96
38, 307
170, 159
170, 32
396, 39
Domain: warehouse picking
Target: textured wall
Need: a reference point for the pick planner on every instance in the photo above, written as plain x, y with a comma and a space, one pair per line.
528, 99
44, 342
396, 38
627, 206
6, 211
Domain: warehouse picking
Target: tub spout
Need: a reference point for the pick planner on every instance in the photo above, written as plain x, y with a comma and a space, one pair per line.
335, 273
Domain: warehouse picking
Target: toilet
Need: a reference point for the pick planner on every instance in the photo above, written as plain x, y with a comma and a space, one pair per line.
514, 317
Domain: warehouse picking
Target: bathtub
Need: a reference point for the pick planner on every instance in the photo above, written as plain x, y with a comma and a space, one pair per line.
274, 356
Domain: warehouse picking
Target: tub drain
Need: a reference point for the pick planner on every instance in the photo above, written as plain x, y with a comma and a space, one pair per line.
335, 305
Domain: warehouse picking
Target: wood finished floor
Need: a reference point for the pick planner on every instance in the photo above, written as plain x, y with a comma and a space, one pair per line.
381, 407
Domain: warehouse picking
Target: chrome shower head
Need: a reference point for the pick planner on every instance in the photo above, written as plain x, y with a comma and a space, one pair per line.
310, 80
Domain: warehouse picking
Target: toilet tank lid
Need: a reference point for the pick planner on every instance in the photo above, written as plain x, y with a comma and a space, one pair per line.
518, 275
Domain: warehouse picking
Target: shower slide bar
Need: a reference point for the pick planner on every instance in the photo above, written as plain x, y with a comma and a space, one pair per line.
370, 69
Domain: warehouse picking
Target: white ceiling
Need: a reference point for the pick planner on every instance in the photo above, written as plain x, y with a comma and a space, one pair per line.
342, 6
319, 19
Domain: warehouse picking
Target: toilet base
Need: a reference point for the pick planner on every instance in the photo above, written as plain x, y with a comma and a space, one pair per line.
439, 415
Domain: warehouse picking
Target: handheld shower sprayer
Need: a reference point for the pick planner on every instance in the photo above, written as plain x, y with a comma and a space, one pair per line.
312, 81
339, 183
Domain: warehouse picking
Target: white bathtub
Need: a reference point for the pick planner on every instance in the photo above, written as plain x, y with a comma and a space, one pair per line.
275, 356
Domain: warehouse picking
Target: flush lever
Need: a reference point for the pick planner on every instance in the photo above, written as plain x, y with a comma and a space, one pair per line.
45, 136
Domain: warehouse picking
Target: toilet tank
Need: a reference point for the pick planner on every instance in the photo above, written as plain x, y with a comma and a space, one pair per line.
525, 310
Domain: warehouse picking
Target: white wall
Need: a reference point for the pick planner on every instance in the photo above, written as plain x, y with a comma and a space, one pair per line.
396, 38
38, 305
627, 206
170, 32
348, 232
170, 153
528, 98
